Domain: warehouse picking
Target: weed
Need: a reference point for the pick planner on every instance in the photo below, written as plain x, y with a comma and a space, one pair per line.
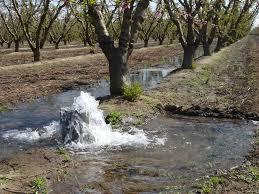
132, 92
39, 185
3, 108
3, 180
254, 173
207, 187
64, 153
213, 182
194, 65
113, 118
202, 78
61, 151
61, 174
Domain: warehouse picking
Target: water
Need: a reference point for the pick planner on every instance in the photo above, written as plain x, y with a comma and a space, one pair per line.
93, 132
46, 109
194, 148
30, 120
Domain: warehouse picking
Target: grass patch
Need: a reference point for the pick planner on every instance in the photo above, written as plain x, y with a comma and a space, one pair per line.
39, 185
3, 108
194, 66
114, 118
62, 152
251, 175
3, 180
132, 92
202, 77
209, 185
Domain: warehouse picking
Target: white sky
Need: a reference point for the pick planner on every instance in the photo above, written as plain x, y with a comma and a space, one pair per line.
256, 21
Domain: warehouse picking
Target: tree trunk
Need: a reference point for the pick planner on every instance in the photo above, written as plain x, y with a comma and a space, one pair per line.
188, 57
219, 44
57, 45
161, 42
17, 46
145, 43
118, 71
42, 45
206, 49
85, 43
65, 42
36, 54
9, 44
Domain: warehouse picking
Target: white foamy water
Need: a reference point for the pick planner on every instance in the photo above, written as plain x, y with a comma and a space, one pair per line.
93, 124
31, 135
103, 133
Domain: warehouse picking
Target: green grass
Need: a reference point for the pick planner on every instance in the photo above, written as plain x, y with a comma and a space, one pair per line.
132, 92
39, 185
114, 118
3, 180
202, 78
194, 65
209, 185
64, 154
3, 108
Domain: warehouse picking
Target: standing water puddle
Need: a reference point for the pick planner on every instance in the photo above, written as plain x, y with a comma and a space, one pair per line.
194, 147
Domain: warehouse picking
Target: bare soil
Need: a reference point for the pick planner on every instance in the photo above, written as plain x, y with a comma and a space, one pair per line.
19, 83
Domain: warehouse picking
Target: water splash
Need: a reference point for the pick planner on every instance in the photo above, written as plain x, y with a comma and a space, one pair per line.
32, 135
89, 124
92, 122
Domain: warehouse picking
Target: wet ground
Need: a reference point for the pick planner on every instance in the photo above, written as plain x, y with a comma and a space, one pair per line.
194, 148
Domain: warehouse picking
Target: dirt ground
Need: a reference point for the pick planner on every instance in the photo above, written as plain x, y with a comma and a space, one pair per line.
25, 56
18, 58
19, 83
223, 85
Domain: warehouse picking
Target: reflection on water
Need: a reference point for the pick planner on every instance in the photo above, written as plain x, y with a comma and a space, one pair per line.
149, 78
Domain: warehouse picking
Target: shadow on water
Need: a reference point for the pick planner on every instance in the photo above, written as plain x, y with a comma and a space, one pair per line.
194, 147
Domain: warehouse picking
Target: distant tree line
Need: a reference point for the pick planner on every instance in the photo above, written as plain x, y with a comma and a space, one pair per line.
117, 25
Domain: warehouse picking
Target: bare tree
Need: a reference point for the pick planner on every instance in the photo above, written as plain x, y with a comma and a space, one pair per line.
33, 16
60, 28
184, 15
81, 15
132, 18
149, 25
11, 23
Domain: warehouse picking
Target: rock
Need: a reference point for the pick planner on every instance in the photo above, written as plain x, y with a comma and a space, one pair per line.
72, 126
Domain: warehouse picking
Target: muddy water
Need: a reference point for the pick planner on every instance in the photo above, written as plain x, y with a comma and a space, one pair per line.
194, 147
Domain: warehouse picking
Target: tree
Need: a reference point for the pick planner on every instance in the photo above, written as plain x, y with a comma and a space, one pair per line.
81, 15
150, 24
11, 23
209, 19
184, 14
33, 17
117, 56
5, 37
235, 21
60, 28
162, 30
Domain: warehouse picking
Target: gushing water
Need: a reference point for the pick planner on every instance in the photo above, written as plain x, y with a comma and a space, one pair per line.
83, 126
91, 129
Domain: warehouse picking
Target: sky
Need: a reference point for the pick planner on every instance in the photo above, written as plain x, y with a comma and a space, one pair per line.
257, 21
